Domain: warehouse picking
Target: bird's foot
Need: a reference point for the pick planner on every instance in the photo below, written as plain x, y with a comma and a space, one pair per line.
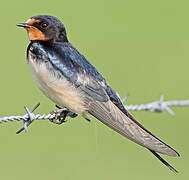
61, 114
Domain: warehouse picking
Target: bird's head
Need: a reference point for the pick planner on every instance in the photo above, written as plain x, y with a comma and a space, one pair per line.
45, 28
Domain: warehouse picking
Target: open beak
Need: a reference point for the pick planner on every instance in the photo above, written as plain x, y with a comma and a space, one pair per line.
25, 25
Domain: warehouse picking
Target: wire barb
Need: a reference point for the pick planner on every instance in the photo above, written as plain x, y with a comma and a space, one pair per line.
30, 119
156, 106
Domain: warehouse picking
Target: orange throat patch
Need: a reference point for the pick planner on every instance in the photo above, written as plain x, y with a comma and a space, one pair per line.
35, 34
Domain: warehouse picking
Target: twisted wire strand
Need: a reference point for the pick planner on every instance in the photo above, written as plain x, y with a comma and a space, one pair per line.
156, 106
25, 117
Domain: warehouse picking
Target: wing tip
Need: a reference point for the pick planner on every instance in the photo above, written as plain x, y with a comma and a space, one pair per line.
177, 154
172, 153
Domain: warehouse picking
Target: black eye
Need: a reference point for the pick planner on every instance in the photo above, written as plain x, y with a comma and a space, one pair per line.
44, 25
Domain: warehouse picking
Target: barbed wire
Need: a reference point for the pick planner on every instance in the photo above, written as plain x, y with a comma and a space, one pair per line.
155, 106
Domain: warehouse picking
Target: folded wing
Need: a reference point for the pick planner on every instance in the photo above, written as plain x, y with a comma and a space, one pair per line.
109, 114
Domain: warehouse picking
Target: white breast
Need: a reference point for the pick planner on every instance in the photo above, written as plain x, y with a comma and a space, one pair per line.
60, 91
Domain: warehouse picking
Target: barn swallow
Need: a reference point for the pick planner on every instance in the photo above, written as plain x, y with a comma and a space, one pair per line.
65, 76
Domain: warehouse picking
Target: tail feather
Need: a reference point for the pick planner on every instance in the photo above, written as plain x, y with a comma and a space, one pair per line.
163, 161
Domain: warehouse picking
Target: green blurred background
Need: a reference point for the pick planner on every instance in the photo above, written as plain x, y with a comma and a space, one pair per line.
140, 47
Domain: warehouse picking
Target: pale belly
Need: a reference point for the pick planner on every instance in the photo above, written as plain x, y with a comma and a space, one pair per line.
60, 91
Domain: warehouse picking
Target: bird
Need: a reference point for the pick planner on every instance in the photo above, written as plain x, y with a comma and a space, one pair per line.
67, 78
